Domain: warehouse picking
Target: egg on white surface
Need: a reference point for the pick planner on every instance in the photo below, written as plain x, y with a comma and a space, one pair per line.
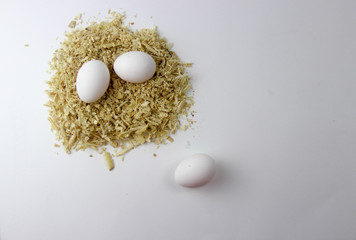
93, 79
135, 66
195, 170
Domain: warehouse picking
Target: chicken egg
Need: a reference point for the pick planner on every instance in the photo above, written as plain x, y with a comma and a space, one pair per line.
135, 66
92, 81
195, 170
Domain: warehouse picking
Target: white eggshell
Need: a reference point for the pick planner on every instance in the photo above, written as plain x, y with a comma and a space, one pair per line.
135, 66
93, 79
195, 170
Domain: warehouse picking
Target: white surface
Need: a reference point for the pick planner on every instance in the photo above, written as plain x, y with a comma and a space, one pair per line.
275, 98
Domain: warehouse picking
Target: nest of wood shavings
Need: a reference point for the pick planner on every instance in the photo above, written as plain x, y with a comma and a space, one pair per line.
128, 114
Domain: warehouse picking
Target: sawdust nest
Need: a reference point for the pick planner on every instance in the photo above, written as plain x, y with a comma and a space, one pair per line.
128, 114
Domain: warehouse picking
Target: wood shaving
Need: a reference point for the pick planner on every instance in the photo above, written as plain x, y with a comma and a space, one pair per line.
72, 24
109, 160
128, 114
169, 138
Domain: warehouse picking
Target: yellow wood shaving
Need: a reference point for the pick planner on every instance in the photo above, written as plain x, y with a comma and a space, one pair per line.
72, 24
109, 160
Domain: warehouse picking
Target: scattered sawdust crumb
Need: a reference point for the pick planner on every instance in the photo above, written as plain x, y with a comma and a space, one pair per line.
72, 24
155, 155
184, 128
56, 145
169, 138
26, 45
102, 150
90, 155
78, 17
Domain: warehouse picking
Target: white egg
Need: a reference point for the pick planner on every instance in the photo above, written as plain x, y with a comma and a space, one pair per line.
135, 66
195, 170
93, 79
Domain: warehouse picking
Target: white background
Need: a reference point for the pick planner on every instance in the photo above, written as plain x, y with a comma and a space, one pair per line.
275, 92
